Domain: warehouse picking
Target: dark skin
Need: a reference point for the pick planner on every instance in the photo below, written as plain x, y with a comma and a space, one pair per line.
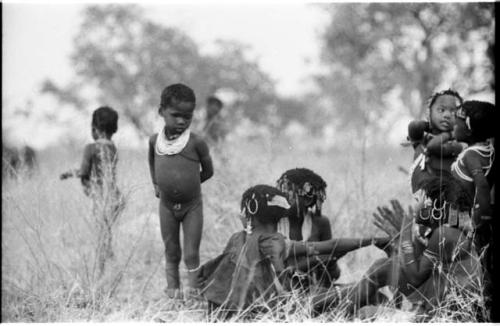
407, 271
177, 117
472, 162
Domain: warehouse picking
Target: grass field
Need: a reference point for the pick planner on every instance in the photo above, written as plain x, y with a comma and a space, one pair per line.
48, 235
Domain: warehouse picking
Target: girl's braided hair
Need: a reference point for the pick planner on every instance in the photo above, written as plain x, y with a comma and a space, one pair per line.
303, 182
254, 203
482, 117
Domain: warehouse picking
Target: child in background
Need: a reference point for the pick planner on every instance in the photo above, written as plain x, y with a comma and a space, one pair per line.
98, 176
253, 265
175, 158
214, 128
473, 167
432, 140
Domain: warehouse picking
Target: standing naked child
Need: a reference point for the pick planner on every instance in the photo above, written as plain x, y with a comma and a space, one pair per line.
175, 158
435, 148
98, 176
473, 167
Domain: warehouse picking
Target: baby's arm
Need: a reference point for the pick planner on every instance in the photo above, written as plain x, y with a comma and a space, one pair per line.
482, 208
207, 169
151, 160
416, 131
85, 167
443, 145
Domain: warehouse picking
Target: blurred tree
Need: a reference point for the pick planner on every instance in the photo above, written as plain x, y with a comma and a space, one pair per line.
128, 60
376, 50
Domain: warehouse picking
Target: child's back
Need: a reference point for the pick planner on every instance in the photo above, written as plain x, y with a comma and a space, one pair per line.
98, 168
246, 271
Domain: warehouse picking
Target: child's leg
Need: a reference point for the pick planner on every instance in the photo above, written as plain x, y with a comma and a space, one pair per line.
192, 226
170, 234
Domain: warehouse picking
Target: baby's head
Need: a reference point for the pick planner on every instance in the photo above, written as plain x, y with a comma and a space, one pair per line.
104, 122
304, 188
177, 104
264, 205
442, 108
475, 121
214, 105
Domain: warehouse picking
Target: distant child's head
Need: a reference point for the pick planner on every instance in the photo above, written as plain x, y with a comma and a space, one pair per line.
104, 122
176, 107
262, 204
214, 105
442, 108
475, 121
304, 188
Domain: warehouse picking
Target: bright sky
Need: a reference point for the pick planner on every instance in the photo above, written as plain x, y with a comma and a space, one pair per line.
37, 39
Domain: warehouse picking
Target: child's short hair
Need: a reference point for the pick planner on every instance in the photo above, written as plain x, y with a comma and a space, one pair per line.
482, 118
105, 119
449, 91
214, 100
255, 202
179, 92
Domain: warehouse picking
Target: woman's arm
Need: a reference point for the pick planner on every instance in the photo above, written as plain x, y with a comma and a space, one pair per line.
482, 204
335, 248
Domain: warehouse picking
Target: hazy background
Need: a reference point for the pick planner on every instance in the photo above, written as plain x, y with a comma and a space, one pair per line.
327, 87
315, 69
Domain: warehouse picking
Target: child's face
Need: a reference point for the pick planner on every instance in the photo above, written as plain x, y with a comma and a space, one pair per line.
212, 110
177, 116
443, 112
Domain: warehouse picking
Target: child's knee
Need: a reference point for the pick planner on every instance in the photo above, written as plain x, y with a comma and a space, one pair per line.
173, 256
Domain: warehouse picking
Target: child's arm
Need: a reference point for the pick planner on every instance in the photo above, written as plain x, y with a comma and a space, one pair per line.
85, 167
482, 208
443, 145
151, 160
416, 130
335, 248
207, 169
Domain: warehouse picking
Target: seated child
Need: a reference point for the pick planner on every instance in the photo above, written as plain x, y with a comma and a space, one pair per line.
179, 162
252, 267
432, 140
421, 272
306, 192
98, 175
475, 126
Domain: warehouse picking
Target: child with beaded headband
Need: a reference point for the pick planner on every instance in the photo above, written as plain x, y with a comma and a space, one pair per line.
306, 192
253, 264
474, 168
432, 139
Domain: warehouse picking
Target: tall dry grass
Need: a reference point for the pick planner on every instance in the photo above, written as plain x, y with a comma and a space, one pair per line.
49, 238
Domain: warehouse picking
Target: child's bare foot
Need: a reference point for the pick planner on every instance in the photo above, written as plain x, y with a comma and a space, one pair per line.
175, 294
